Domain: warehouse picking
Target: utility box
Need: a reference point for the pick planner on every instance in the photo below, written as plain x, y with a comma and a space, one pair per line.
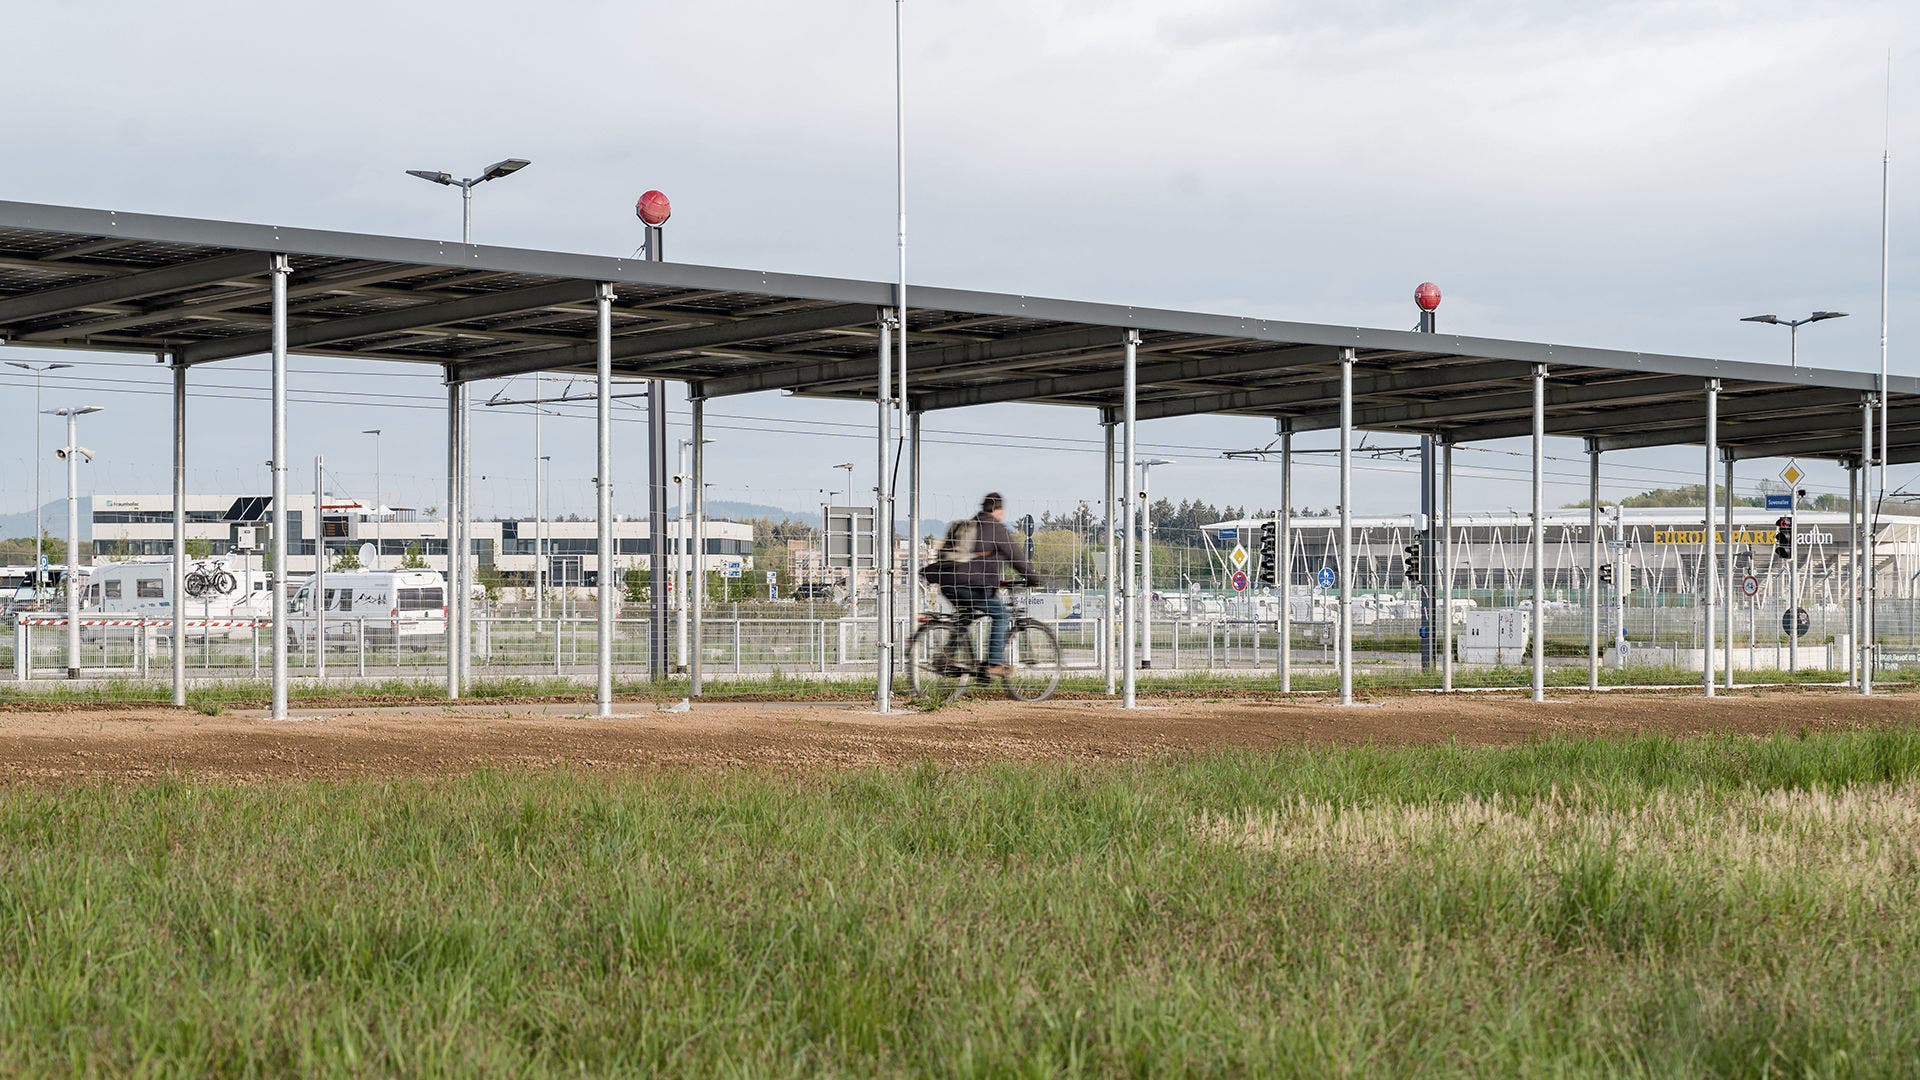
1495, 637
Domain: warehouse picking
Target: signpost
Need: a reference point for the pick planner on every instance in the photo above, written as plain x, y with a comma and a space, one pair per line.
1238, 557
1239, 580
1750, 586
1780, 502
1327, 577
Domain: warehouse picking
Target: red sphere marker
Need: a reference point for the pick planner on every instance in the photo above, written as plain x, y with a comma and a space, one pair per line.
1427, 296
653, 208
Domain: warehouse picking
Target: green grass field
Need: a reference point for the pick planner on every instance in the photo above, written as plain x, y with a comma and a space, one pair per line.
1716, 906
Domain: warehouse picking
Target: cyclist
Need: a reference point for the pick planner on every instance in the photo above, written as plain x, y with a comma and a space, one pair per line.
968, 570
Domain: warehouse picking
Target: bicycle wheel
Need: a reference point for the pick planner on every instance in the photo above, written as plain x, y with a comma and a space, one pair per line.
1033, 654
225, 582
942, 660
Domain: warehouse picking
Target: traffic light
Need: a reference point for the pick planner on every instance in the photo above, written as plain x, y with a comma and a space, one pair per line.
1783, 538
1606, 574
1269, 556
1413, 563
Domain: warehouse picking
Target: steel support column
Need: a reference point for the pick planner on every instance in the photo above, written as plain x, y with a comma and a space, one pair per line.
1345, 647
1110, 626
1539, 532
608, 577
464, 548
912, 621
883, 519
1283, 557
1726, 616
696, 598
1709, 565
1854, 473
179, 533
1593, 566
281, 268
456, 436
1446, 558
1129, 505
1866, 643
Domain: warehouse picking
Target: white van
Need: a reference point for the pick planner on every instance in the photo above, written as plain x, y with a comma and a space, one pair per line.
404, 604
222, 588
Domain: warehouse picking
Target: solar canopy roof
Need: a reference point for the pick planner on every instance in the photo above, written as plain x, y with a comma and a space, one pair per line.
199, 291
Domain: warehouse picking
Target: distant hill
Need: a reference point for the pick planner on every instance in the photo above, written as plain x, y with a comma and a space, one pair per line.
53, 518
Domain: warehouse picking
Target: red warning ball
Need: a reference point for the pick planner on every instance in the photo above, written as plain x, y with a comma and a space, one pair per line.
1427, 296
654, 209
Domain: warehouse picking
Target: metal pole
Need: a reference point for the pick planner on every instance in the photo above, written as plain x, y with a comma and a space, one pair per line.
1446, 572
379, 544
317, 595
455, 434
280, 269
1726, 654
1424, 538
1129, 404
1283, 557
466, 534
1108, 626
681, 577
1793, 581
1866, 645
697, 569
73, 544
539, 520
1854, 480
1593, 565
603, 384
913, 525
656, 482
883, 519
1710, 556
1539, 532
1146, 565
178, 608
1346, 527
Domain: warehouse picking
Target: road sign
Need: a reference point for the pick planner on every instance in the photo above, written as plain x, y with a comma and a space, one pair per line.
1229, 534
1239, 556
1327, 577
1750, 586
730, 568
1792, 474
1788, 623
1779, 502
772, 578
1239, 579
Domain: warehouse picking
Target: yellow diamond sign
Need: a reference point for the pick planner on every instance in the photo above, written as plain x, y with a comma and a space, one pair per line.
1239, 557
1792, 474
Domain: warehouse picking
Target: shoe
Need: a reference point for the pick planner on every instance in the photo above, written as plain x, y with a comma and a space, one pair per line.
998, 671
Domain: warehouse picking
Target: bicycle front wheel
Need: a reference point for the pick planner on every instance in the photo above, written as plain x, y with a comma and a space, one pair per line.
1033, 654
940, 660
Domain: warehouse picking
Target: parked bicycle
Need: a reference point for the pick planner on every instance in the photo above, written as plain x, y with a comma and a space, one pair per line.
946, 654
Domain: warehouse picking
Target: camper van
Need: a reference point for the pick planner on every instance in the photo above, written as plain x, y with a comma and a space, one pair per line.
408, 605
224, 588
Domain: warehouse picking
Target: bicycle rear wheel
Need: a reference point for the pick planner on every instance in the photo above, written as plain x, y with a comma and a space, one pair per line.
941, 660
1033, 654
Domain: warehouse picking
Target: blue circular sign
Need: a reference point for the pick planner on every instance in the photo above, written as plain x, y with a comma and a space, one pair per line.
1240, 581
1327, 577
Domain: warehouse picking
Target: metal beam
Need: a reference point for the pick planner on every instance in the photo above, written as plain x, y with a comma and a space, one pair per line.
1835, 445
1171, 371
659, 342
244, 266
389, 322
1673, 424
1310, 392
973, 355
1452, 408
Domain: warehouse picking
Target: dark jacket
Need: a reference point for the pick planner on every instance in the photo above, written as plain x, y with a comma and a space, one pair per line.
994, 548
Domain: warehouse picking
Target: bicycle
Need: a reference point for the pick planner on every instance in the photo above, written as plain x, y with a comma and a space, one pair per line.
944, 657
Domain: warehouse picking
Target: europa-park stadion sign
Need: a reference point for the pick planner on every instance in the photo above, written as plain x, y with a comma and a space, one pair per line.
1756, 537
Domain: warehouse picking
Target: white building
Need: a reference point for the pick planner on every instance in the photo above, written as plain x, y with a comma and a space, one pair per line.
142, 525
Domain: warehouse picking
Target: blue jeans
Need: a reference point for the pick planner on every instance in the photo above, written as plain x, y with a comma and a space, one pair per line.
977, 601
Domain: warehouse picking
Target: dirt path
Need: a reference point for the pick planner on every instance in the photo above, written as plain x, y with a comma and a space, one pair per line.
137, 743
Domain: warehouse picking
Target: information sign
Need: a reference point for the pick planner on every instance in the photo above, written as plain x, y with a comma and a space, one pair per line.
1327, 577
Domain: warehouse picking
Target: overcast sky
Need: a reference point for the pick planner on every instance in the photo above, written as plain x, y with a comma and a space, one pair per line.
1630, 175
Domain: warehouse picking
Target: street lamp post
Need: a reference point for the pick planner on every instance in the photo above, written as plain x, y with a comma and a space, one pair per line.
1793, 329
492, 172
71, 454
1146, 559
39, 376
378, 549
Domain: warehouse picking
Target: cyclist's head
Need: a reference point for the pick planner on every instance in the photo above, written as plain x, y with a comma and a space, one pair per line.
993, 504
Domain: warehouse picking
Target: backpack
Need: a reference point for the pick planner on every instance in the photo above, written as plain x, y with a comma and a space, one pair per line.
962, 542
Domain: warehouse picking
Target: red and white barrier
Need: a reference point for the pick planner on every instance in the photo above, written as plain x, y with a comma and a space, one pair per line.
210, 624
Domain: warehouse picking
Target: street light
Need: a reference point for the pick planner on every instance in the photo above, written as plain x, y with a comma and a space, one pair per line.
1146, 559
492, 172
1793, 328
377, 546
39, 375
71, 454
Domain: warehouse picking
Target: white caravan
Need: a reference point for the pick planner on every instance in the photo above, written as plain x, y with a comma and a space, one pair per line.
390, 604
226, 588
